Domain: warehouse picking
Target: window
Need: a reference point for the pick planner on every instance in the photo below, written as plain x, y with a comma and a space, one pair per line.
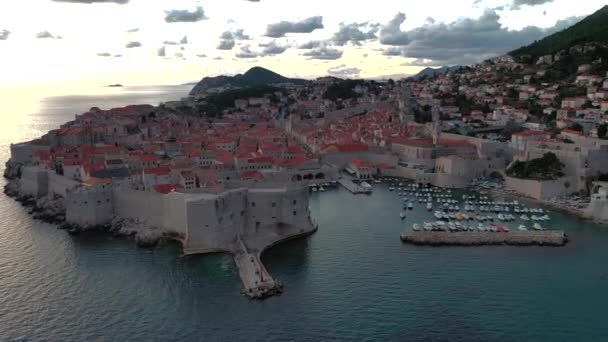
274, 204
253, 204
295, 213
257, 224
295, 202
242, 212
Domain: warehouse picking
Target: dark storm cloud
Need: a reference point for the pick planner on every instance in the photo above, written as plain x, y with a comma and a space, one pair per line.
279, 30
185, 16
465, 41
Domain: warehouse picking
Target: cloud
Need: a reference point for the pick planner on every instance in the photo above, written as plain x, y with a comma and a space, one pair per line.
311, 45
131, 45
353, 33
226, 44
133, 30
181, 42
46, 34
202, 55
464, 41
4, 34
104, 54
324, 53
162, 52
118, 55
279, 30
246, 52
518, 3
391, 33
185, 16
94, 1
343, 71
228, 39
273, 48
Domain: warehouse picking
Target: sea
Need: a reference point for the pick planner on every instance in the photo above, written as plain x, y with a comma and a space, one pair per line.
353, 280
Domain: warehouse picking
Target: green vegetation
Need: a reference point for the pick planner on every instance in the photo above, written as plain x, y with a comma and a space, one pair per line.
343, 90
594, 28
548, 167
214, 105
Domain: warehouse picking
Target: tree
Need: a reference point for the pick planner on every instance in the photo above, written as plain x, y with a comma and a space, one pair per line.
577, 127
602, 130
548, 167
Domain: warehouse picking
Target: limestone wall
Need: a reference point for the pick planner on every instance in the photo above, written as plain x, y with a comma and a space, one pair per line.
34, 181
142, 205
58, 184
89, 206
540, 189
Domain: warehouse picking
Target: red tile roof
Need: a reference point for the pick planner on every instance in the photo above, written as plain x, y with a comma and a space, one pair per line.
166, 188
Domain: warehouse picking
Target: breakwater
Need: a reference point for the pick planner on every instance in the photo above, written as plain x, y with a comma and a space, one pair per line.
519, 238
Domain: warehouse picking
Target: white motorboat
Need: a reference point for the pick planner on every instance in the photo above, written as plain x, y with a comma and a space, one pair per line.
321, 188
402, 215
410, 205
429, 206
522, 227
416, 227
537, 226
524, 217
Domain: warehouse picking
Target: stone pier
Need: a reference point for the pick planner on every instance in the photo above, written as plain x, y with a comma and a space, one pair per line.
514, 238
257, 282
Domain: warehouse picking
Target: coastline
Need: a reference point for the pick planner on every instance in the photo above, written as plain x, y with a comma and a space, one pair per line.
572, 211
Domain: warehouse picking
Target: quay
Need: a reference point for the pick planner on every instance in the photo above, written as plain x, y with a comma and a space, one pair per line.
352, 187
517, 238
257, 282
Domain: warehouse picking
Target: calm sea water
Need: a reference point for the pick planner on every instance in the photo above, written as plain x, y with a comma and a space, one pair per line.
351, 281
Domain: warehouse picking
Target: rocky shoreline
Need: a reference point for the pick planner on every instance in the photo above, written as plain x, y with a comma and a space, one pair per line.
51, 209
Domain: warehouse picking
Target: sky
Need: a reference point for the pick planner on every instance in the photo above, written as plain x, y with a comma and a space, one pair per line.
76, 43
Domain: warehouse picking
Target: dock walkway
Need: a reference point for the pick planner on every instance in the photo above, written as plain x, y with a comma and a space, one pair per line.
514, 238
257, 282
351, 186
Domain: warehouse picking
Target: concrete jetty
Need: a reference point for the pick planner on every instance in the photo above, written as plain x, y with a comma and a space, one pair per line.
352, 186
514, 238
257, 282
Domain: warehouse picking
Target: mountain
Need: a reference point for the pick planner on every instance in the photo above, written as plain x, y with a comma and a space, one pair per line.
254, 77
593, 28
430, 72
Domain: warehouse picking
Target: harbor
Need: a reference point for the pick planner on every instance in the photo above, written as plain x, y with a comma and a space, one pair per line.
516, 238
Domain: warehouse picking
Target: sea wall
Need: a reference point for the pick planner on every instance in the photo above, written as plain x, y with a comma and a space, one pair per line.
540, 189
142, 205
